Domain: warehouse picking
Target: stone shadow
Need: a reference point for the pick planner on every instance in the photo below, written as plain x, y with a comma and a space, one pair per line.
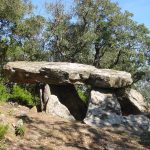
43, 134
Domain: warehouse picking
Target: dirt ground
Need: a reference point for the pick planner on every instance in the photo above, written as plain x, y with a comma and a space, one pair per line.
46, 132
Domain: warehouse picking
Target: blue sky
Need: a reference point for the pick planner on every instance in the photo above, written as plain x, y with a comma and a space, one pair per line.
140, 8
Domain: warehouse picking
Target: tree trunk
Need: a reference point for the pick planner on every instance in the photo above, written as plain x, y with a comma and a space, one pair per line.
116, 61
96, 62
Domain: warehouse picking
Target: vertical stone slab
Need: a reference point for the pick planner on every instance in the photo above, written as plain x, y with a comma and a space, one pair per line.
103, 109
46, 96
41, 100
131, 101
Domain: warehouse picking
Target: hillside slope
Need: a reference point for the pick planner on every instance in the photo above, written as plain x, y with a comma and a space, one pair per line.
46, 132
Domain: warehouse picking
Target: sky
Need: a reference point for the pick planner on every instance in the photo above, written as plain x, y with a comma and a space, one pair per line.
140, 8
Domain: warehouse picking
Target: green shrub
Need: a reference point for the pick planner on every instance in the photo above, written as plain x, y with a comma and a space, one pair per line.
3, 130
4, 95
22, 96
20, 130
82, 95
83, 92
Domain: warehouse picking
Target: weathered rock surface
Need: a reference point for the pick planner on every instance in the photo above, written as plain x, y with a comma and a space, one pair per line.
107, 78
137, 99
103, 119
131, 101
63, 73
137, 122
103, 109
54, 107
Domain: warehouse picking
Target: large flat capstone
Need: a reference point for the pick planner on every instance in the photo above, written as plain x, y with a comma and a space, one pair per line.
65, 73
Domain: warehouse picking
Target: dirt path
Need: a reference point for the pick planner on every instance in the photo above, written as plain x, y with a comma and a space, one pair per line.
46, 132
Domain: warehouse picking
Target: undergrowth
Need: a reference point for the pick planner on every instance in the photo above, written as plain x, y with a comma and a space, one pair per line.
83, 92
17, 94
4, 95
3, 131
22, 96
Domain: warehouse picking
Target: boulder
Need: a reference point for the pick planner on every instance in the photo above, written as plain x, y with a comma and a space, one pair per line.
103, 109
103, 119
65, 73
137, 99
131, 101
137, 122
33, 109
54, 107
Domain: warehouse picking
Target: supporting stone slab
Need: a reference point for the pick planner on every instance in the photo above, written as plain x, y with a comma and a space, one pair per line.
131, 101
103, 109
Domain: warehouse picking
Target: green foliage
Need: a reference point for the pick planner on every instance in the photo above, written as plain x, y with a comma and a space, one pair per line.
144, 88
83, 93
3, 130
146, 93
101, 35
4, 95
18, 94
13, 10
20, 130
22, 96
94, 32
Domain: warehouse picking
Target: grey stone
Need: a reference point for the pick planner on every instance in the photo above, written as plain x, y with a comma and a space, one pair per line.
22, 113
46, 93
137, 122
131, 101
108, 78
137, 100
65, 73
19, 123
104, 119
54, 107
103, 109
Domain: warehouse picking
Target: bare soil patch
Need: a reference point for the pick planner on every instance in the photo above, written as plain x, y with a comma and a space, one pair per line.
46, 132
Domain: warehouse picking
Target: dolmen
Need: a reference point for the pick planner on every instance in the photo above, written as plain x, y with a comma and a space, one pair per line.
111, 102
